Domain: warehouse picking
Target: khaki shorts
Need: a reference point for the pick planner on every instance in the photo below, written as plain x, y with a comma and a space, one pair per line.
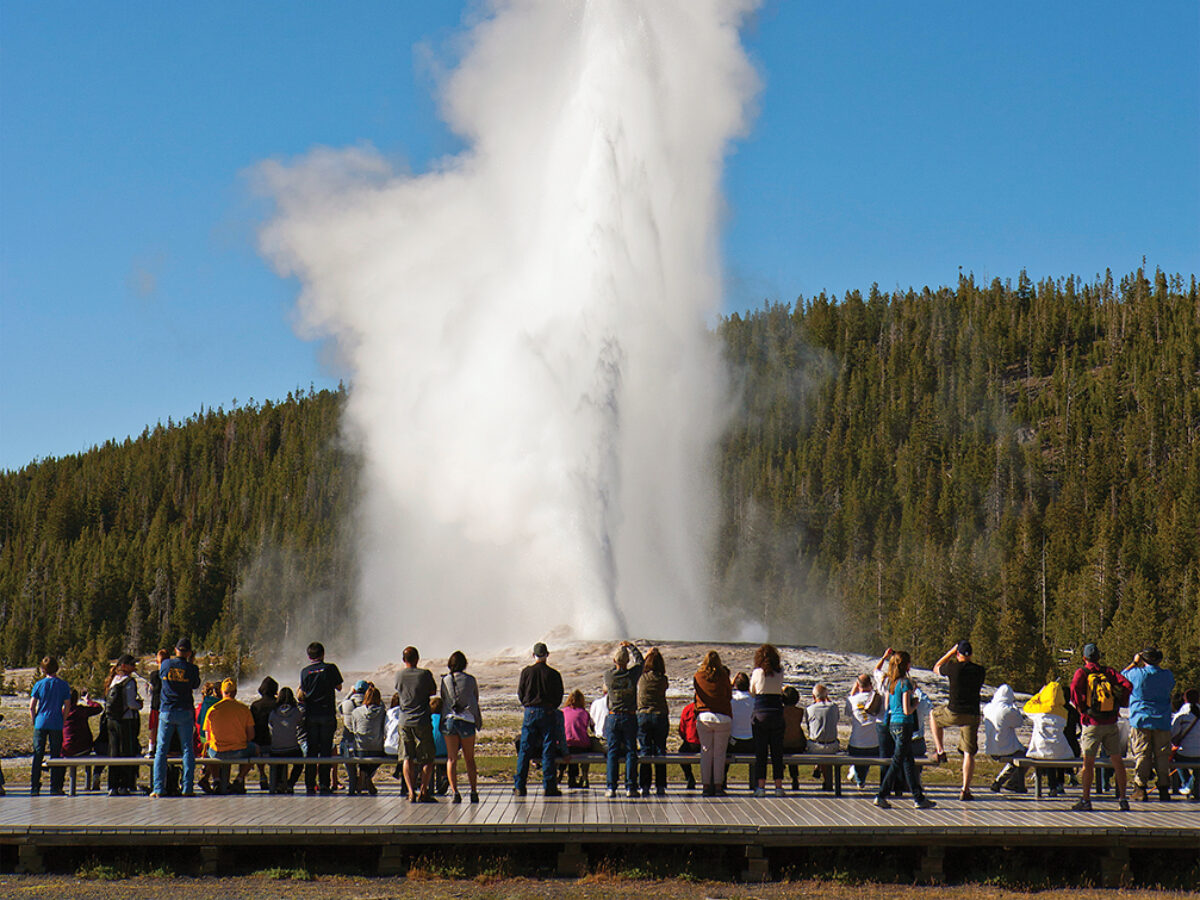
1096, 736
967, 725
416, 743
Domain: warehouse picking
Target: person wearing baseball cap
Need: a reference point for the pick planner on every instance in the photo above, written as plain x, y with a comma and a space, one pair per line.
230, 727
176, 716
961, 710
1098, 693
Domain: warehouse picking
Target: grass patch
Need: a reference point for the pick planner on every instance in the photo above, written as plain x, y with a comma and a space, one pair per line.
280, 873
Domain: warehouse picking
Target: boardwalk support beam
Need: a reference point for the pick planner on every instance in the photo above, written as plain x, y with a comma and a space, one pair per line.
29, 859
572, 861
1114, 868
210, 860
392, 860
933, 870
757, 866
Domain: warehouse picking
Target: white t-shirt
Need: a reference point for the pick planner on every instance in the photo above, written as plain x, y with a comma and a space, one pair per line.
599, 712
762, 683
743, 711
863, 733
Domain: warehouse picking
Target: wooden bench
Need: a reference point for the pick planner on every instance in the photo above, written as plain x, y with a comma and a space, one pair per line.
74, 763
836, 761
1041, 766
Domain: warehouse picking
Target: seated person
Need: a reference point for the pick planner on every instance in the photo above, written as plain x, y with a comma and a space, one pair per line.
230, 727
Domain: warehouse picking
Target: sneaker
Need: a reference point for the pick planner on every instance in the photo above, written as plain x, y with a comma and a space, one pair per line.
552, 792
780, 792
995, 787
154, 795
519, 792
708, 791
1123, 805
632, 793
966, 796
457, 798
474, 796
882, 803
1083, 806
760, 792
924, 803
427, 798
610, 793
661, 792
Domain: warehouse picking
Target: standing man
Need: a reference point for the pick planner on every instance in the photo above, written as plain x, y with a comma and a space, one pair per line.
319, 683
961, 710
178, 677
1097, 692
46, 709
620, 726
1150, 721
415, 686
540, 692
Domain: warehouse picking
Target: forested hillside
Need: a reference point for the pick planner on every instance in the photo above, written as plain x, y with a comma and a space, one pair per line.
1018, 463
226, 526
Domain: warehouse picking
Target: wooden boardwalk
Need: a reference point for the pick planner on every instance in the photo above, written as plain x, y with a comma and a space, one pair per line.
217, 825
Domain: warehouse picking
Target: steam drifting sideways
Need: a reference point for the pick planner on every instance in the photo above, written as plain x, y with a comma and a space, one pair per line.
534, 389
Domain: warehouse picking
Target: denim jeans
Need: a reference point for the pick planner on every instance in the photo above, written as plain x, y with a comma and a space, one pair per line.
620, 734
540, 726
860, 772
652, 740
181, 722
320, 731
887, 746
903, 766
40, 737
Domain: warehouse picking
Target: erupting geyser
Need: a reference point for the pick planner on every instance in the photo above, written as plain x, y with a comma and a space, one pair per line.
535, 392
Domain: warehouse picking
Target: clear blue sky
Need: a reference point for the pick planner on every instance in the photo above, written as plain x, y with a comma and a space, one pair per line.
893, 143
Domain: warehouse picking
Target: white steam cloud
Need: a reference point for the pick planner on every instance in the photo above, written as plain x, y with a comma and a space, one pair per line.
535, 391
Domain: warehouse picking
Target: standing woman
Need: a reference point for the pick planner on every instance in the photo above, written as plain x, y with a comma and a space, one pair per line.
461, 718
714, 721
902, 722
766, 686
653, 720
123, 707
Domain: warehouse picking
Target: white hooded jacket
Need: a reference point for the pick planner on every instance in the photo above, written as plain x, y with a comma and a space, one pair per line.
1001, 719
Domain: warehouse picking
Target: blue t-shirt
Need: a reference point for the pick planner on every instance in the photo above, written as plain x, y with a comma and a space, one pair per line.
179, 679
1150, 700
896, 703
51, 693
439, 739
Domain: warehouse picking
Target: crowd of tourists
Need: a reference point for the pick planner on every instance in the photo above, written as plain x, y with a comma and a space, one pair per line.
428, 723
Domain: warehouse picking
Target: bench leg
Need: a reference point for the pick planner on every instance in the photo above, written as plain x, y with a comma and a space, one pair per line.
837, 780
74, 779
757, 866
1037, 777
572, 861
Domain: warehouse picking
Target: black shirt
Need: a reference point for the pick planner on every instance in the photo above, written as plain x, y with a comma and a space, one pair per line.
155, 679
540, 686
966, 678
320, 682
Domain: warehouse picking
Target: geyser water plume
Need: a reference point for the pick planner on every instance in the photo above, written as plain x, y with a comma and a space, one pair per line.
534, 390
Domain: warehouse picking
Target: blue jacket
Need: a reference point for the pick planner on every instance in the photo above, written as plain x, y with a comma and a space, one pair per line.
1150, 700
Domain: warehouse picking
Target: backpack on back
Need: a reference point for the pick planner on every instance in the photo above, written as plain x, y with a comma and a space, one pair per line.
1102, 695
114, 701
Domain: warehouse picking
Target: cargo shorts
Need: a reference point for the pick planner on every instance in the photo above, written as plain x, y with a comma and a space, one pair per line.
967, 725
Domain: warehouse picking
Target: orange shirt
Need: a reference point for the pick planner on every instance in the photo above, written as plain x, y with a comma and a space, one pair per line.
230, 725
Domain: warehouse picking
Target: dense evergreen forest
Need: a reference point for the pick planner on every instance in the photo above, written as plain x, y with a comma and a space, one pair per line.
1015, 463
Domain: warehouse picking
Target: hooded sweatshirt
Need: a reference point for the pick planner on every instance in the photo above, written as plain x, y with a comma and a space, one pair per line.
285, 724
1047, 710
1001, 719
367, 725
